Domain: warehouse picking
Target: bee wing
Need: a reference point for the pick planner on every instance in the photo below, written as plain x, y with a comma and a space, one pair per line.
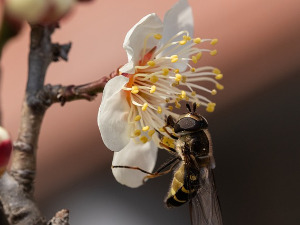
205, 207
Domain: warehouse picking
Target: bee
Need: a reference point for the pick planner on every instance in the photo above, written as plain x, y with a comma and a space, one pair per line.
193, 180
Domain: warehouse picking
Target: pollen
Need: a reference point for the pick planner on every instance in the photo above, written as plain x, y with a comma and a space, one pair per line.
199, 55
188, 38
214, 41
183, 42
157, 36
183, 95
135, 89
210, 107
178, 77
161, 130
193, 93
151, 63
219, 86
213, 52
165, 71
219, 76
193, 69
214, 92
159, 110
153, 79
145, 128
153, 89
197, 40
151, 132
183, 79
176, 71
137, 133
137, 118
170, 107
144, 139
174, 58
216, 71
194, 59
145, 106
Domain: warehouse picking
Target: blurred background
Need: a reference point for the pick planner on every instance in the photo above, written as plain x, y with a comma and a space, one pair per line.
255, 127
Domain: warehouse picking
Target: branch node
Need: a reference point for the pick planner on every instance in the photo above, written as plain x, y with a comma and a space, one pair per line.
22, 146
60, 51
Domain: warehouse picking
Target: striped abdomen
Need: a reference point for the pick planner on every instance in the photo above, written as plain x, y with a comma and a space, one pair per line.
179, 192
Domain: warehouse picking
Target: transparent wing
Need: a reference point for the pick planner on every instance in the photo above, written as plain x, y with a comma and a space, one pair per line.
205, 207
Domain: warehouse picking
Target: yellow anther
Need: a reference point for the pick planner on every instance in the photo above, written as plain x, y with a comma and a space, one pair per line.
194, 59
188, 38
145, 128
176, 71
170, 107
213, 52
177, 105
134, 89
174, 58
197, 40
183, 42
178, 77
161, 130
151, 63
153, 79
219, 86
210, 107
214, 92
145, 106
175, 84
153, 89
193, 69
167, 100
137, 118
159, 110
144, 139
157, 36
151, 132
199, 55
137, 133
183, 79
214, 41
219, 76
165, 71
197, 105
183, 94
193, 93
216, 71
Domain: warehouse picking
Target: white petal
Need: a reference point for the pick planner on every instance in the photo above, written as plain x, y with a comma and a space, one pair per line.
137, 155
134, 40
178, 18
113, 113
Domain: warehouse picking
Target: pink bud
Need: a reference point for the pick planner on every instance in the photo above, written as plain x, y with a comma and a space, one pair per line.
5, 149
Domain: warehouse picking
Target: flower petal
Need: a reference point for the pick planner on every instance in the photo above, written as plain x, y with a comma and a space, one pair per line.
112, 115
134, 40
134, 154
178, 18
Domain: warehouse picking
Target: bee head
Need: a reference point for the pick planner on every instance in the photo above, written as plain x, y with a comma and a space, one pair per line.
191, 121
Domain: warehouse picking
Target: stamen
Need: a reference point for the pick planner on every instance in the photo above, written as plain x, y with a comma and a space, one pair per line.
145, 106
144, 139
219, 76
197, 40
210, 107
151, 132
153, 89
159, 110
214, 92
219, 86
214, 41
157, 36
137, 118
134, 89
145, 128
216, 71
165, 71
178, 77
137, 133
174, 58
153, 79
151, 63
213, 52
194, 59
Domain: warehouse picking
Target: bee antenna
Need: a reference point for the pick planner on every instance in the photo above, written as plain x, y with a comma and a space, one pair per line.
194, 107
188, 107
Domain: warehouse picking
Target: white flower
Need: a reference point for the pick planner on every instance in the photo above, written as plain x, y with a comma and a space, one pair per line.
160, 73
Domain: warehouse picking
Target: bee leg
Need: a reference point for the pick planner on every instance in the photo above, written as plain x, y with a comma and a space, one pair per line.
133, 168
173, 162
171, 135
167, 147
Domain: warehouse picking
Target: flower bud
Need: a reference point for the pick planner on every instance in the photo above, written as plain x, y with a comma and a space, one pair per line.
39, 11
5, 149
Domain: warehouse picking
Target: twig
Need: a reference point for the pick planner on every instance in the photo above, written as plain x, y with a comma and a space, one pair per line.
60, 218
